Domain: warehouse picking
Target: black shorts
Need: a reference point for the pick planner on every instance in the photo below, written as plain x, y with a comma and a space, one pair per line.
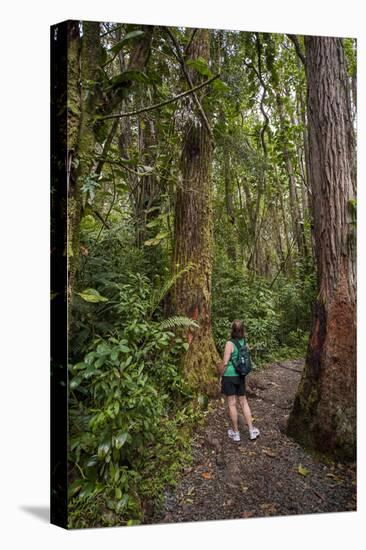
233, 385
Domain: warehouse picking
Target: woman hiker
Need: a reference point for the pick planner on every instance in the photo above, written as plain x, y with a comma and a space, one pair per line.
233, 385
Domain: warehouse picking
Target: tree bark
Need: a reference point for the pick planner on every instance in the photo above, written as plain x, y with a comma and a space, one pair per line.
81, 138
73, 129
324, 411
193, 230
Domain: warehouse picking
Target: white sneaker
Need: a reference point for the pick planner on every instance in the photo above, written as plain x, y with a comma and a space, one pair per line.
254, 433
235, 436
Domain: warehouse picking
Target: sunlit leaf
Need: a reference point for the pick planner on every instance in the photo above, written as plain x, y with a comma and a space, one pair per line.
302, 470
121, 439
92, 295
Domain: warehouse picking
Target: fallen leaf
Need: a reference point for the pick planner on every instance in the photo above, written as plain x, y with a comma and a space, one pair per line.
336, 478
268, 507
247, 514
269, 453
206, 475
243, 487
302, 470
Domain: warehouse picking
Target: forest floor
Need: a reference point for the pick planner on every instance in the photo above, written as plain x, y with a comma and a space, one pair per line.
271, 476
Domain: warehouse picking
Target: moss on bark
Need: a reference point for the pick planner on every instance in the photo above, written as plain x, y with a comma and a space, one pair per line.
193, 240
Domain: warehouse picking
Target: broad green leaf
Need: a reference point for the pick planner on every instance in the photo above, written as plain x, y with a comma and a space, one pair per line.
124, 349
186, 346
156, 240
153, 223
92, 295
121, 439
92, 461
118, 493
104, 448
114, 355
122, 503
87, 489
220, 86
129, 36
129, 361
200, 65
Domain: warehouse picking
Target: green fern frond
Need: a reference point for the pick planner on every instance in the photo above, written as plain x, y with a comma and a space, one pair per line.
178, 322
159, 294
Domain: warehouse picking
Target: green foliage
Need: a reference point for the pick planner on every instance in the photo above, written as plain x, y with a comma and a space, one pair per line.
128, 406
277, 320
92, 295
127, 38
131, 410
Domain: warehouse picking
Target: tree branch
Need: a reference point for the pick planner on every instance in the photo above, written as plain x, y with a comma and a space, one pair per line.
189, 42
258, 73
296, 43
188, 78
166, 102
259, 49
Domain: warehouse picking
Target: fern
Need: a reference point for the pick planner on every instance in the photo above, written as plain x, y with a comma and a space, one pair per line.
176, 321
159, 293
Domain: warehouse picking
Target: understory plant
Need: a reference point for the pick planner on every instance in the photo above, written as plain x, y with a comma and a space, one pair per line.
130, 411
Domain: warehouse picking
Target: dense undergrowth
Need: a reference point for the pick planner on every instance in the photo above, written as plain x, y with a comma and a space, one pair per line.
277, 319
130, 410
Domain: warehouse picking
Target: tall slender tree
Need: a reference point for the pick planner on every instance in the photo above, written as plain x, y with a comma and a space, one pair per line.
324, 411
193, 230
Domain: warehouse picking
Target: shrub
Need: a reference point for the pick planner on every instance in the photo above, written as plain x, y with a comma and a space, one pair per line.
128, 406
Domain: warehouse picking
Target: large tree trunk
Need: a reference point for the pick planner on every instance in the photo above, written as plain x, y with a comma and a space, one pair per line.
324, 411
191, 295
73, 127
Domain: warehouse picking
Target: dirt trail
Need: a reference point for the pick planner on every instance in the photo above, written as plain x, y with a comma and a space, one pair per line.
258, 478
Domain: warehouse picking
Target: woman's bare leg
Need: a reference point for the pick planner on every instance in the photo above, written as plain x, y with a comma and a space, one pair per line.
231, 401
246, 411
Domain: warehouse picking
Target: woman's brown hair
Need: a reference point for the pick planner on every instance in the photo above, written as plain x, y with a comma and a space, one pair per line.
237, 329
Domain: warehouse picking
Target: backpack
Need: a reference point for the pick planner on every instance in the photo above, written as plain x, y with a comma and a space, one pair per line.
243, 365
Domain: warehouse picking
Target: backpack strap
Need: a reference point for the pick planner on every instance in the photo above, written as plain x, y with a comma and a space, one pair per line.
237, 344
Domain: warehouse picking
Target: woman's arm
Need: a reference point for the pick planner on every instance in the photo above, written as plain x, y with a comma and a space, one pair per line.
227, 354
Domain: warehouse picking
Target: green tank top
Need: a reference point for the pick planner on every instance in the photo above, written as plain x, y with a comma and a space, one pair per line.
230, 369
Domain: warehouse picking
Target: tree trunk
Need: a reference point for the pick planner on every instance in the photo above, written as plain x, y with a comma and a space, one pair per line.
324, 411
231, 248
193, 230
81, 139
295, 216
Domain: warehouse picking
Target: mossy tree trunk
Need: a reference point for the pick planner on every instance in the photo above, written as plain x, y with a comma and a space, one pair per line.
324, 411
84, 56
193, 238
